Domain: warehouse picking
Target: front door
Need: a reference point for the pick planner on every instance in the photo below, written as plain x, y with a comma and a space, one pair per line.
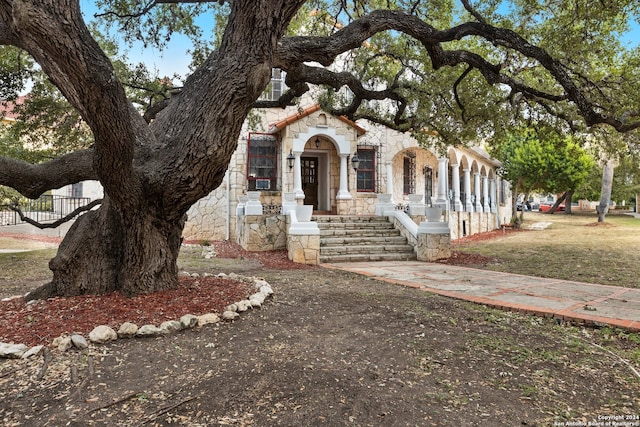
310, 180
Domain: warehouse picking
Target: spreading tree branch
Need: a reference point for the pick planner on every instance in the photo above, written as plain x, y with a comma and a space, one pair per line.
55, 224
324, 50
33, 180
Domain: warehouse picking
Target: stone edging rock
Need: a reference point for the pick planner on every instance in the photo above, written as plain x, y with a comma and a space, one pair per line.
103, 333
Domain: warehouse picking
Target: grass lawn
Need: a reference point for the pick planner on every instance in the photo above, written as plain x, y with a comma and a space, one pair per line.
573, 247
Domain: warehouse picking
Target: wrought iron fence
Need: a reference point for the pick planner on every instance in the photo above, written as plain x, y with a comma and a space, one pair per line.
45, 209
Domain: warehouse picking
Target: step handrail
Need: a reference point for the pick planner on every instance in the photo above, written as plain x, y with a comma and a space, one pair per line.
405, 220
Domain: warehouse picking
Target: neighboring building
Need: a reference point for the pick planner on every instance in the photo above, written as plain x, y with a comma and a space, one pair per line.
59, 202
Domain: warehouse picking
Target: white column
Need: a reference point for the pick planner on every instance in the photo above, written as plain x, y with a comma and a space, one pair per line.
485, 194
390, 179
297, 177
343, 193
494, 194
468, 207
441, 198
476, 192
455, 178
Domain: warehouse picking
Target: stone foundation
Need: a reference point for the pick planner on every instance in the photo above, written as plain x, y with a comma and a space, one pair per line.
262, 233
304, 248
434, 241
433, 247
464, 224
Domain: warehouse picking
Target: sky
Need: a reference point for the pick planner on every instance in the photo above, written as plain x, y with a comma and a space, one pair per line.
174, 59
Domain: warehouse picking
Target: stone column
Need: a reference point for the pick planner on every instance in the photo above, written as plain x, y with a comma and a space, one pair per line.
455, 172
468, 207
416, 207
253, 205
494, 194
476, 191
343, 192
485, 194
288, 202
297, 176
441, 198
434, 241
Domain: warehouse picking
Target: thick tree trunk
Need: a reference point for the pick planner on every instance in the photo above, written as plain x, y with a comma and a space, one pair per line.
567, 201
105, 251
151, 173
561, 199
605, 193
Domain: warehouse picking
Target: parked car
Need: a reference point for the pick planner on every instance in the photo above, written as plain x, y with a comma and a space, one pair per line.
527, 206
546, 207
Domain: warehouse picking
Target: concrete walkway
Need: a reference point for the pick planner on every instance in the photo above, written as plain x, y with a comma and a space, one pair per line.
576, 302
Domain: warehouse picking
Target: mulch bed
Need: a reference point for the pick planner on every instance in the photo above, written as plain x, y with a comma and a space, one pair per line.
466, 259
39, 322
277, 260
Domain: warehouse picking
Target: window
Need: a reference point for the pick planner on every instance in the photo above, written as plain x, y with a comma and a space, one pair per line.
276, 86
409, 174
262, 165
503, 191
428, 185
76, 190
366, 174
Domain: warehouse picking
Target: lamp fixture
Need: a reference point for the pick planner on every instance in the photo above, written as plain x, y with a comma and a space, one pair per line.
290, 159
317, 142
355, 161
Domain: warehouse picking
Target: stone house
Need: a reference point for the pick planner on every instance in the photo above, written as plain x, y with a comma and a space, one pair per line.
341, 169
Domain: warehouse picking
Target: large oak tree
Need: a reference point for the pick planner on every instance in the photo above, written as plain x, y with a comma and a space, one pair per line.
408, 64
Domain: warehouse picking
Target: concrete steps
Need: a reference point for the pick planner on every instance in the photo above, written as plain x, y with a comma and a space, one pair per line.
361, 238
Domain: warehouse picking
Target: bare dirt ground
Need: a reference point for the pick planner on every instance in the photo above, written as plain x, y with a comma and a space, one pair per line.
333, 348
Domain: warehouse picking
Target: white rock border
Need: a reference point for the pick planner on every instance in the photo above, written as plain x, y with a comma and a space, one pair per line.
103, 333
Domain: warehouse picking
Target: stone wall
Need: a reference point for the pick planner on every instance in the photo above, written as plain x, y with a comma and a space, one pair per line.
262, 233
464, 224
366, 203
432, 247
207, 219
304, 248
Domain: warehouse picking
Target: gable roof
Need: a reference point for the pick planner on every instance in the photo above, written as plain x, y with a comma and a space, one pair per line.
278, 126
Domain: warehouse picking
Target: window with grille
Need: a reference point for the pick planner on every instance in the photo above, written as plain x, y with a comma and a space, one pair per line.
276, 86
503, 191
428, 185
366, 174
409, 174
262, 165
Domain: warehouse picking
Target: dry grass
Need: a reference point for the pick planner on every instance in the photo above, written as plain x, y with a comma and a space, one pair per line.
574, 247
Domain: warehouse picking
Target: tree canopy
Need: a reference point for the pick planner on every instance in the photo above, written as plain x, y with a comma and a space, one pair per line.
542, 159
466, 70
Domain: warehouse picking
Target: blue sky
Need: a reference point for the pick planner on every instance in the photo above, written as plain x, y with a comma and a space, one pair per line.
174, 59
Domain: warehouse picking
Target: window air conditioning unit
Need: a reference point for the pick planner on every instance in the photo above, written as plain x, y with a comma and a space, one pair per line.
263, 184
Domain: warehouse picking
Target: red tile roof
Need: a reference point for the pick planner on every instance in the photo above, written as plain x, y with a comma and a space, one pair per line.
278, 126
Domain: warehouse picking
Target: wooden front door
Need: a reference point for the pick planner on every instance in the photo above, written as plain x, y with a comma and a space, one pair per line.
310, 180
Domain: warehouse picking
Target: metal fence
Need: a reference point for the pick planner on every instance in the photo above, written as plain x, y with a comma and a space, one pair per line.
46, 209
